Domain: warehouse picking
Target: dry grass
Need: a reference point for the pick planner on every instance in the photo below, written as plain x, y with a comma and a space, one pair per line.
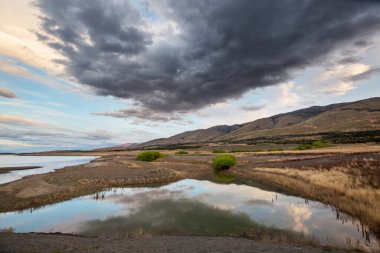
7, 230
353, 188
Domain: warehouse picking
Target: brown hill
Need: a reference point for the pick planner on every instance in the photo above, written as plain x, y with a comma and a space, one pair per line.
354, 117
196, 136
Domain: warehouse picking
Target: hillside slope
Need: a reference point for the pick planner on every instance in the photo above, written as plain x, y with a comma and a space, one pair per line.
356, 116
196, 136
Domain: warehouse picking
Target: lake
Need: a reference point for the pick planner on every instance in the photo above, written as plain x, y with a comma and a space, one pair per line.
193, 207
46, 164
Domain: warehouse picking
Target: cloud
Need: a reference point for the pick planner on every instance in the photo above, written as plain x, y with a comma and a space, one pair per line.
6, 93
258, 202
300, 215
198, 53
19, 133
15, 143
349, 60
13, 67
17, 138
364, 75
142, 114
252, 107
19, 120
288, 97
339, 79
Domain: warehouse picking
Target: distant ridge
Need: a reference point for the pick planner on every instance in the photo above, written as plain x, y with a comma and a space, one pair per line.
358, 116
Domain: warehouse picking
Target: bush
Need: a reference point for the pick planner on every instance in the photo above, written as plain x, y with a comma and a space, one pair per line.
149, 156
223, 162
181, 152
219, 151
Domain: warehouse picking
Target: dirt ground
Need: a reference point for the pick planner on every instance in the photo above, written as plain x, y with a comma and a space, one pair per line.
10, 243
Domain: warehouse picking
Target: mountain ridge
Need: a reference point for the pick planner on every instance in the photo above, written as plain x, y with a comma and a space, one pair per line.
357, 116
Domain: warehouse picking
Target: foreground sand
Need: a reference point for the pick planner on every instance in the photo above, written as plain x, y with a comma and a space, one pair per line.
11, 243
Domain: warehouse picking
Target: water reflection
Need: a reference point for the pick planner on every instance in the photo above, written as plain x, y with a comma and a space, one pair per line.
170, 216
46, 164
196, 208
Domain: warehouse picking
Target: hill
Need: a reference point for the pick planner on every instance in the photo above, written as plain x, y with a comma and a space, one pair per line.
345, 121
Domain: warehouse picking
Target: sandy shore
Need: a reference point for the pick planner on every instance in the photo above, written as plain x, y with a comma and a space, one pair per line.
4, 170
41, 243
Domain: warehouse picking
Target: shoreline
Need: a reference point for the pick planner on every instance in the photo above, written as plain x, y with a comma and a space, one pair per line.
5, 170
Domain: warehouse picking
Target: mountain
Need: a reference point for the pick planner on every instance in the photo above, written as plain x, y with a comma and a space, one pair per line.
196, 136
353, 117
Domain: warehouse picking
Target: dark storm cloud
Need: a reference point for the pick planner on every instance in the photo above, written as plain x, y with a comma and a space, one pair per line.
224, 48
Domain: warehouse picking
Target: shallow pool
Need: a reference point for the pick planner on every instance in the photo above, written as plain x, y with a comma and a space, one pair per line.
192, 207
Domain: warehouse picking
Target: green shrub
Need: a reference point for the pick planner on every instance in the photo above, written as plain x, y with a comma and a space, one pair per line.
321, 144
314, 144
181, 152
275, 149
149, 156
303, 147
223, 162
219, 151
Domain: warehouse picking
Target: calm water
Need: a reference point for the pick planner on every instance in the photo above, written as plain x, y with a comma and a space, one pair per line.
190, 207
47, 164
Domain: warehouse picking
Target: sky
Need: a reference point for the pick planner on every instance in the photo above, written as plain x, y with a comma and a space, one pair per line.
85, 74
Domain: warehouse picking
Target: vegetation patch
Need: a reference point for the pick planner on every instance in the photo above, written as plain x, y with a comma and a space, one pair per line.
303, 147
223, 162
216, 151
181, 152
173, 147
314, 144
149, 156
332, 137
275, 149
246, 150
